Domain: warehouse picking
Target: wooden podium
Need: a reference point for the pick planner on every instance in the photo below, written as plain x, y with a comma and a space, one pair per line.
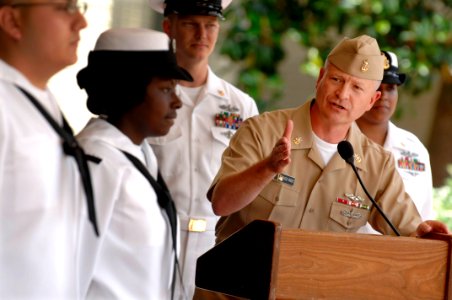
264, 261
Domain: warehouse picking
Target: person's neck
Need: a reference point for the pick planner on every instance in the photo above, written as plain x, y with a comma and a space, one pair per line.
376, 132
33, 72
325, 130
37, 81
197, 70
128, 128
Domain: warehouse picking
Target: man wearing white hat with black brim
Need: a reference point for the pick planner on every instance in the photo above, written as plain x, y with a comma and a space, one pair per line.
411, 157
190, 155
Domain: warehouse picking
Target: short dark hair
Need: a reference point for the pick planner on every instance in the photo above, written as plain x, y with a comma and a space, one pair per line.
113, 97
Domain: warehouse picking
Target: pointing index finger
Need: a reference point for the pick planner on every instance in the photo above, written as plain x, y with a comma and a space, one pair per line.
288, 131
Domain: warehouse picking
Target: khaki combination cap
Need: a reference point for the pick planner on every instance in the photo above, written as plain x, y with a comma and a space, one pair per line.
360, 57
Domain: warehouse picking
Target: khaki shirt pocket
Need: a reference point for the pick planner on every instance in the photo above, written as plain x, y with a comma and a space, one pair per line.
279, 194
348, 217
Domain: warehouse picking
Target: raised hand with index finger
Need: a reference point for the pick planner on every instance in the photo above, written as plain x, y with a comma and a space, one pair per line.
280, 156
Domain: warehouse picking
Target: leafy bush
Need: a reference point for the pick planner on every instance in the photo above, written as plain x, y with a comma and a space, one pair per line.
418, 31
442, 200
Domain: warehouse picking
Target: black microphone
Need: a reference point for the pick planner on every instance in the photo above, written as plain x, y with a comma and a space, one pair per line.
345, 150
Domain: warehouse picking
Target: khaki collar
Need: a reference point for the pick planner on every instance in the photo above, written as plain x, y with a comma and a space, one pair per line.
302, 137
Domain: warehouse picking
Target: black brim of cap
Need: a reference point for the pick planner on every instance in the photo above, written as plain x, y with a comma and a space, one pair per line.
391, 79
137, 64
194, 8
175, 72
200, 13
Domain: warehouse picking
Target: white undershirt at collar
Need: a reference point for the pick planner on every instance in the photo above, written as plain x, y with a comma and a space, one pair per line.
326, 150
193, 93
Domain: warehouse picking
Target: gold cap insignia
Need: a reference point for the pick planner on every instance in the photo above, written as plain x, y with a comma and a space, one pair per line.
360, 57
365, 66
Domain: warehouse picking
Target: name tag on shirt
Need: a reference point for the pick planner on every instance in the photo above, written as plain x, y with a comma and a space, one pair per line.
285, 179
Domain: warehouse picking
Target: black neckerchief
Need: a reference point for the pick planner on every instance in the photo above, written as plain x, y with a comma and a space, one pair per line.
71, 147
166, 202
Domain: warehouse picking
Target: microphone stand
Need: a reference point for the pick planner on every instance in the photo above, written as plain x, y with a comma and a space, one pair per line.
373, 201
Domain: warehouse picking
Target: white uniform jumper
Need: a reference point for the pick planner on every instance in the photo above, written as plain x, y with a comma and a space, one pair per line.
41, 197
133, 258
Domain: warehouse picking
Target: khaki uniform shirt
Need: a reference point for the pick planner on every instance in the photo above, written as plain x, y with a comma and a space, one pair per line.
309, 194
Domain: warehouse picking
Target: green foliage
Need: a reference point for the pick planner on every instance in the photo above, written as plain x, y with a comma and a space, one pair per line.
442, 200
418, 31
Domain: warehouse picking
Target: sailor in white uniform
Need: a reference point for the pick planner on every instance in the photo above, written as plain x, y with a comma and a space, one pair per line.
130, 81
411, 157
190, 154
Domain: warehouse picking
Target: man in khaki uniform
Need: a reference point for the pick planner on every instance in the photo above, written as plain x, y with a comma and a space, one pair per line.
299, 179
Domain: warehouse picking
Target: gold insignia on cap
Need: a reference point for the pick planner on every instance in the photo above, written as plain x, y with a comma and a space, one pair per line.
221, 93
297, 140
365, 66
360, 57
386, 63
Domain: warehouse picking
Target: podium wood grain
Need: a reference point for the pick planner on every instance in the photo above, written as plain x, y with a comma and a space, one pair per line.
265, 261
316, 265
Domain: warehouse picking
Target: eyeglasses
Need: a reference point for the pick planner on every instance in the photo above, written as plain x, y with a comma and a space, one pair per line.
71, 7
